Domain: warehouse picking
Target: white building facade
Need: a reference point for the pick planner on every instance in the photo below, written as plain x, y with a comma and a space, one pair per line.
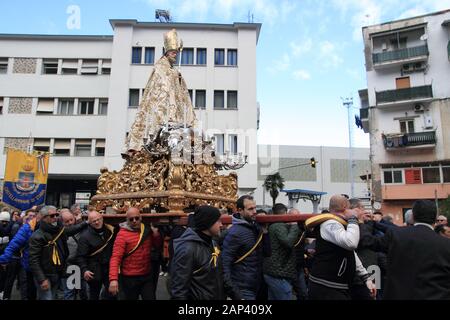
76, 96
406, 110
330, 175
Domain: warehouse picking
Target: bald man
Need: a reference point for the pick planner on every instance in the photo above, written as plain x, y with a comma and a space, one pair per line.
441, 220
336, 263
131, 253
94, 252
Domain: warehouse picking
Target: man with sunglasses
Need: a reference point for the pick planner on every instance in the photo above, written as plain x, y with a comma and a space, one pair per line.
131, 255
49, 252
441, 220
94, 252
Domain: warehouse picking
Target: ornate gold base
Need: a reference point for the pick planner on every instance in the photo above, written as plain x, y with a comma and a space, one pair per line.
155, 182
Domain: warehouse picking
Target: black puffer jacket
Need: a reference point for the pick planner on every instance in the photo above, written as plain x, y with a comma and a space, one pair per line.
193, 275
89, 242
41, 263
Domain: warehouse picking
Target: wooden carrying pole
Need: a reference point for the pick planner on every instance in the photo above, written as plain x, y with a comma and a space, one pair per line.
181, 219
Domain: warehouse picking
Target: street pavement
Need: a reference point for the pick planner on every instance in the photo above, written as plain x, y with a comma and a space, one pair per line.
161, 290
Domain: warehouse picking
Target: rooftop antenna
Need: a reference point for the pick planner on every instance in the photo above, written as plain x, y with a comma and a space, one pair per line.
163, 15
250, 17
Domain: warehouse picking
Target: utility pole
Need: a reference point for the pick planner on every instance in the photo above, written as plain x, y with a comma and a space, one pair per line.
348, 103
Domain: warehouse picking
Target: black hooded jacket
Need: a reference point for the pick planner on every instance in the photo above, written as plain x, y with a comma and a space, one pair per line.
193, 275
41, 262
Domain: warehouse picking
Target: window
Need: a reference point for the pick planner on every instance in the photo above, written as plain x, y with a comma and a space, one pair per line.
89, 66
219, 57
219, 144
233, 143
100, 147
218, 99
446, 172
394, 176
133, 100
106, 66
407, 126
3, 65
45, 106
232, 57
232, 99
62, 147
201, 56
136, 55
187, 56
398, 43
103, 107
69, 66
50, 66
83, 147
190, 94
1, 105
200, 99
86, 107
431, 175
65, 107
149, 55
41, 144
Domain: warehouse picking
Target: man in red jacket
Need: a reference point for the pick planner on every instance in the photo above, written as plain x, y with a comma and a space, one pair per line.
131, 257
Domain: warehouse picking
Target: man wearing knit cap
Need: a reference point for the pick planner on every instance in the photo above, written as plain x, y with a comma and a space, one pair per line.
196, 271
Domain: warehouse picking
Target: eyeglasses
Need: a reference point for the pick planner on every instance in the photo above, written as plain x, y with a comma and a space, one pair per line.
54, 215
132, 219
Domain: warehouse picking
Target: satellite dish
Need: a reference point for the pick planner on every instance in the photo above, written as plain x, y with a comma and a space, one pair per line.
424, 37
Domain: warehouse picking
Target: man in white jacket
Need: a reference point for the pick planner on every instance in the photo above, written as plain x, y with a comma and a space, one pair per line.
335, 261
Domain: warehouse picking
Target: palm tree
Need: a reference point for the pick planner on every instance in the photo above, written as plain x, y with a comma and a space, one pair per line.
274, 183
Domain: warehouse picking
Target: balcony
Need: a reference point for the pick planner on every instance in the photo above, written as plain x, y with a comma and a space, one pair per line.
364, 116
448, 50
426, 139
400, 56
405, 95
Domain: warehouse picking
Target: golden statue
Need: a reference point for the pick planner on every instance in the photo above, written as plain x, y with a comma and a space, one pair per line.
166, 98
170, 167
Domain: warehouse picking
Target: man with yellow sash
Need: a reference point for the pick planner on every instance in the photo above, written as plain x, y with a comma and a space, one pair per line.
336, 262
130, 264
49, 252
244, 248
196, 270
93, 254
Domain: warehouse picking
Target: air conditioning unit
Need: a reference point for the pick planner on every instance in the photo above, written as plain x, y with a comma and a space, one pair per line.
419, 108
407, 68
428, 121
420, 66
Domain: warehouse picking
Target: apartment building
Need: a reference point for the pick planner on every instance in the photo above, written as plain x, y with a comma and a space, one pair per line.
406, 110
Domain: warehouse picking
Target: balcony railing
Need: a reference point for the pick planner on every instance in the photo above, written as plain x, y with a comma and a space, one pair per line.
409, 139
401, 54
405, 94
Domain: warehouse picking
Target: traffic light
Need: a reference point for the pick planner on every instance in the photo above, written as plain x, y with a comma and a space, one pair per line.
313, 162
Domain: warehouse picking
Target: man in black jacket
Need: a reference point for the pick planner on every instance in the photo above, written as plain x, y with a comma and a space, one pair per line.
49, 252
93, 252
196, 270
418, 259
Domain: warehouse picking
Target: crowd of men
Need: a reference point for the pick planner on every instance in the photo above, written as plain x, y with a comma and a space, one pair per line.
346, 253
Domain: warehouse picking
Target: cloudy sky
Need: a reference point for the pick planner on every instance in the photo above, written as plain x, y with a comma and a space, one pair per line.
309, 55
